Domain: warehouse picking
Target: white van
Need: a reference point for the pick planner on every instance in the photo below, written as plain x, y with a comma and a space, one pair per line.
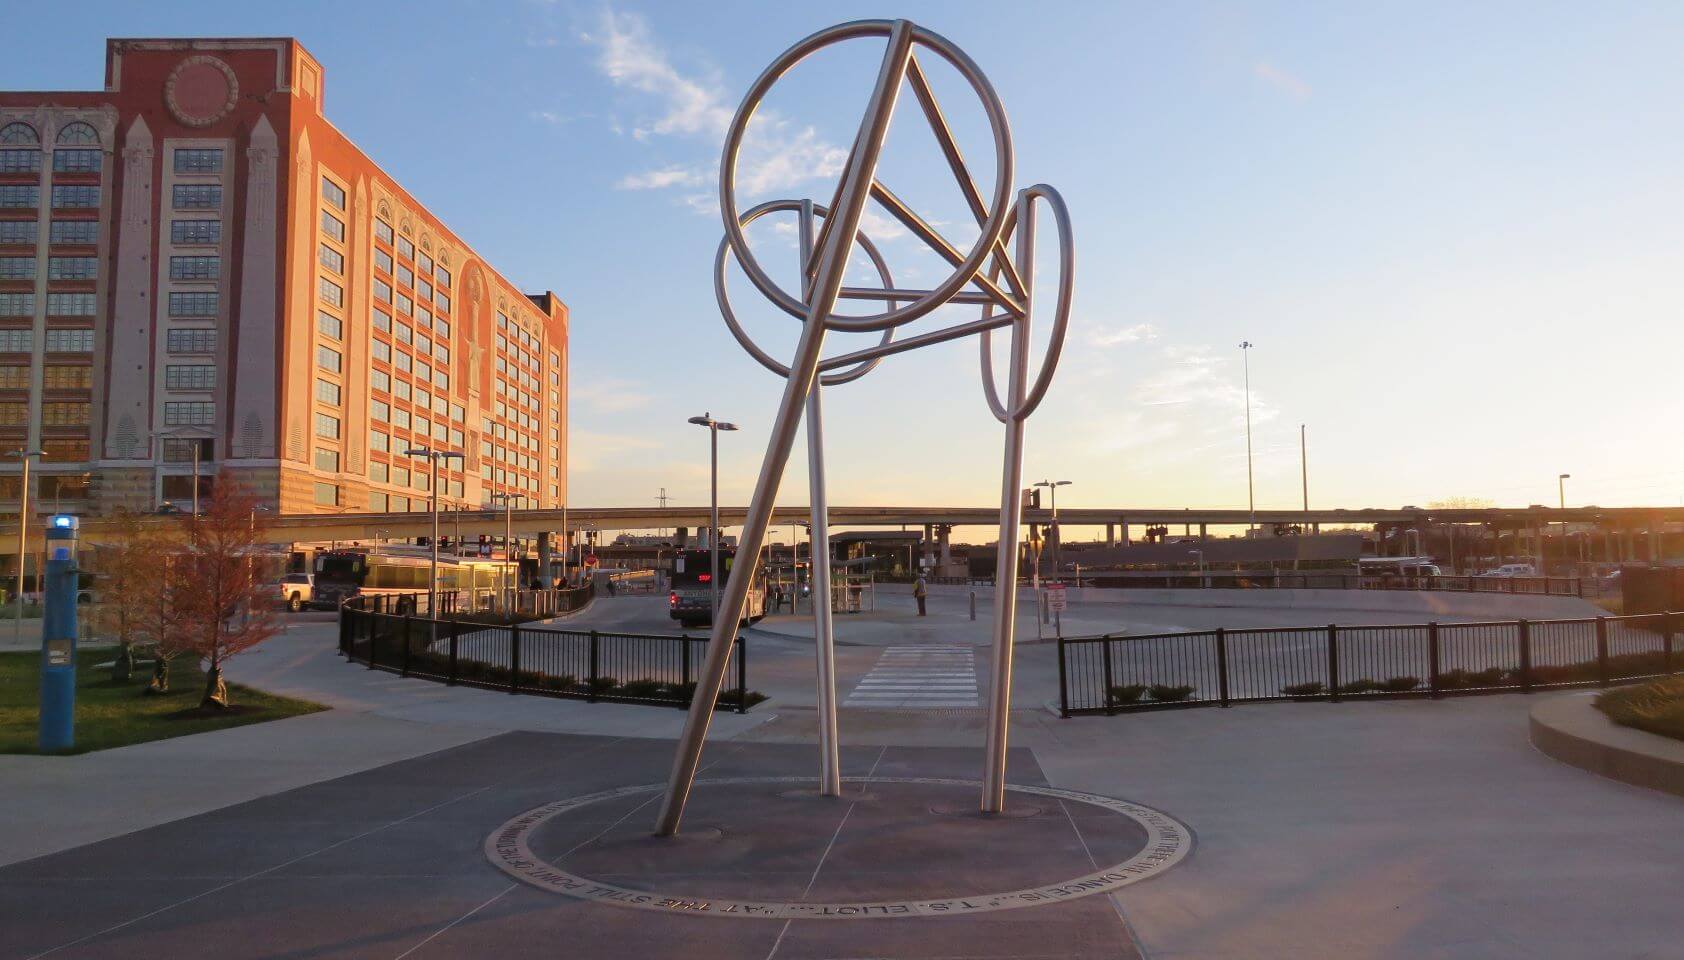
1512, 570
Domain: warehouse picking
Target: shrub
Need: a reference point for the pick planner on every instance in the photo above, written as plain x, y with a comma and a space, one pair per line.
646, 688
730, 698
601, 685
1364, 685
1163, 693
1399, 684
1657, 706
1312, 689
1126, 694
1487, 678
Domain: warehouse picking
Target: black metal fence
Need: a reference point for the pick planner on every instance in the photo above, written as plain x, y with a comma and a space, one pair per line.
591, 665
1108, 674
1264, 580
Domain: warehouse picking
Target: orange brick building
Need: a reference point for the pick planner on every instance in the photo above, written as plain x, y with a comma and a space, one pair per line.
195, 261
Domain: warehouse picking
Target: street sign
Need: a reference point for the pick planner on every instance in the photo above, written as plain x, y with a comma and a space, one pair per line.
1055, 597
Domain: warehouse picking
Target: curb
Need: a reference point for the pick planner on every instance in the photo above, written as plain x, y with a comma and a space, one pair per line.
1570, 729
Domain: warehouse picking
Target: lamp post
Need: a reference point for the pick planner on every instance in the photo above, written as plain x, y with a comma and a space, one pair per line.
1304, 466
23, 454
1561, 495
1250, 491
713, 427
434, 456
1058, 535
508, 539
1201, 555
379, 540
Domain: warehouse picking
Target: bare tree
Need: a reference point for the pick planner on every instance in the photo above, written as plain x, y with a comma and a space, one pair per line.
224, 603
128, 572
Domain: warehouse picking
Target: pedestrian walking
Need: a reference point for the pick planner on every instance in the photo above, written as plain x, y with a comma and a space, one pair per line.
920, 591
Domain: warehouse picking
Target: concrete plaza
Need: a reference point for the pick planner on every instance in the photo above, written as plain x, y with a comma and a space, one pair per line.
1382, 829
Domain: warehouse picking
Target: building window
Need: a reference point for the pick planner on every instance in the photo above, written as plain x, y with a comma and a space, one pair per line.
19, 231
333, 193
195, 231
383, 230
402, 362
14, 377
72, 196
404, 334
379, 411
400, 419
67, 378
70, 341
333, 226
382, 319
17, 268
68, 450
330, 258
443, 277
382, 291
380, 380
14, 414
383, 261
327, 460
378, 472
330, 325
382, 351
442, 329
73, 231
400, 389
328, 359
197, 304
77, 134
198, 160
64, 414
188, 449
327, 392
377, 502
72, 268
20, 195
405, 248
196, 196
20, 161
77, 161
378, 440
331, 293
17, 341
441, 379
425, 291
327, 494
406, 276
189, 413
18, 133
195, 268
327, 427
405, 305
69, 305
190, 376
191, 341
17, 304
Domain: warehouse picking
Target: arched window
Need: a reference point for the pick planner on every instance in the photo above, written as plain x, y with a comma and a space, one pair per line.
75, 134
13, 133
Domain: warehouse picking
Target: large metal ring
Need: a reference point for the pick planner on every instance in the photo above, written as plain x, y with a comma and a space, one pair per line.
765, 359
998, 211
1061, 312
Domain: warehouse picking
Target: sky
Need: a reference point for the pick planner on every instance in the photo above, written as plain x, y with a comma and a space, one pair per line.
1454, 233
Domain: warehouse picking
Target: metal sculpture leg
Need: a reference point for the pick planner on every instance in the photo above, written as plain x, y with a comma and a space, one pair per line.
1011, 516
832, 262
824, 639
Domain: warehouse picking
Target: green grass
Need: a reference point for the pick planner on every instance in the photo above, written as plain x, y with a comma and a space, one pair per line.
114, 715
1656, 706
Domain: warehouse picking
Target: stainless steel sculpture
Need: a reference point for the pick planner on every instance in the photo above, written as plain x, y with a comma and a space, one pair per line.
1001, 282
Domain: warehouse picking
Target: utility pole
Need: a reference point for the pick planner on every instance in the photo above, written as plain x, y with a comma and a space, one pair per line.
1304, 466
1250, 490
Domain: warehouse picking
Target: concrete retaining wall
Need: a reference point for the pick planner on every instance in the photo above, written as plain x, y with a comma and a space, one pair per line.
1571, 729
1428, 603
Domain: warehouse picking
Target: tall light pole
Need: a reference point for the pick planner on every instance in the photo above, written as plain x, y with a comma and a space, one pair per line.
1304, 466
1561, 494
1250, 493
434, 456
23, 454
1058, 536
1201, 555
508, 539
713, 426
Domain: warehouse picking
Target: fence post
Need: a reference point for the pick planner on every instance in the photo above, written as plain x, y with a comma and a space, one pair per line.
1222, 663
403, 654
453, 631
1105, 688
1666, 642
345, 632
684, 658
1525, 656
1333, 662
591, 680
514, 657
1602, 651
742, 675
1432, 658
1579, 587
1063, 682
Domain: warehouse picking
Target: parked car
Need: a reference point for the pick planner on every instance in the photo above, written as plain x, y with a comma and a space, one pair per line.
297, 591
1512, 570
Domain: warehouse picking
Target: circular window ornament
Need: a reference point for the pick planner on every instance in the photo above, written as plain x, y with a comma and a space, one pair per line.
1167, 842
201, 90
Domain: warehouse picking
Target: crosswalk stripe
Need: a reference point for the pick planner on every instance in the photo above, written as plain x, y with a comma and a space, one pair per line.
918, 677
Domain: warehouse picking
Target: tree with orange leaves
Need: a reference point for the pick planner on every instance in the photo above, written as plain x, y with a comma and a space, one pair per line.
226, 608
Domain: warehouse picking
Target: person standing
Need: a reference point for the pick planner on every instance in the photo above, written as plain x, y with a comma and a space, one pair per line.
920, 590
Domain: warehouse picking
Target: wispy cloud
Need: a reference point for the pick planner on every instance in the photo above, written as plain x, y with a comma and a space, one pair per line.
673, 176
630, 57
556, 118
1288, 83
611, 394
1111, 336
588, 451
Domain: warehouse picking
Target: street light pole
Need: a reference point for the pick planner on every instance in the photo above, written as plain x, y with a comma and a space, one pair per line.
508, 551
23, 454
1058, 535
1201, 555
1304, 466
1561, 494
1250, 490
434, 456
713, 426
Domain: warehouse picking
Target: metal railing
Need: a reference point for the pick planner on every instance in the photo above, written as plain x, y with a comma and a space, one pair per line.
385, 633
1229, 580
1111, 673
